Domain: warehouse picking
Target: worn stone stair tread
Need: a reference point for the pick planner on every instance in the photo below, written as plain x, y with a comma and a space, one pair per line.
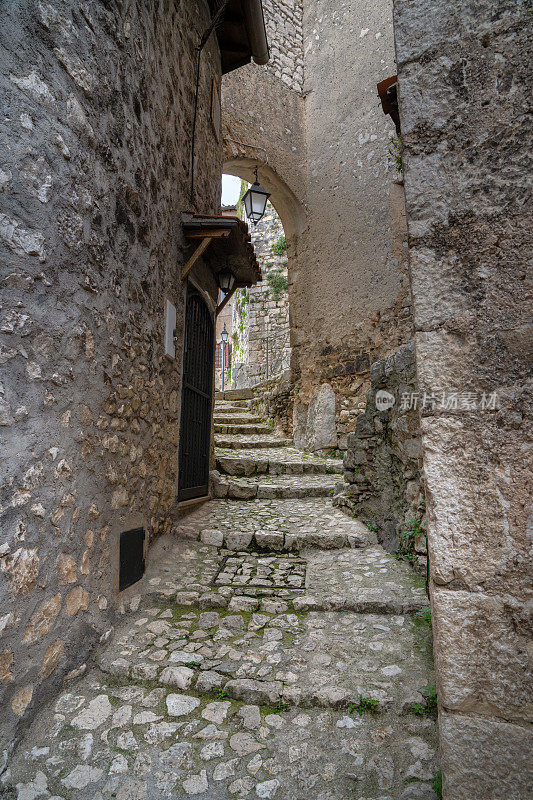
186, 745
266, 487
237, 419
244, 429
244, 442
299, 520
276, 461
321, 659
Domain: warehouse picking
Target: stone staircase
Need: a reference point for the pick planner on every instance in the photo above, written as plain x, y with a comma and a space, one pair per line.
272, 650
265, 466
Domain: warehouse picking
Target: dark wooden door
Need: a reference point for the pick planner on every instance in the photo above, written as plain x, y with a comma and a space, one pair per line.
197, 397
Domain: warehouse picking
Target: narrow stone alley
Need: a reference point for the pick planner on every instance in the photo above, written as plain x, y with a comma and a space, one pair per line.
272, 650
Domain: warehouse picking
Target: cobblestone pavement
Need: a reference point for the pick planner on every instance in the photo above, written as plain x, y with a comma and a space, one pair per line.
272, 650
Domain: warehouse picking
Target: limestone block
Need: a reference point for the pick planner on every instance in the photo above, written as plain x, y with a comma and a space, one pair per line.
52, 658
321, 430
43, 619
22, 569
239, 541
299, 422
21, 700
77, 600
209, 680
469, 530
269, 540
179, 705
6, 660
485, 758
260, 692
212, 537
239, 492
482, 655
181, 677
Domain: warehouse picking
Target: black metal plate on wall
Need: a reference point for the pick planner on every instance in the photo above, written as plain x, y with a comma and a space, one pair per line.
131, 557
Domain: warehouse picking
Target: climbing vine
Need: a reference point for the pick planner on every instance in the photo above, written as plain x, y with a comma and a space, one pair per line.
280, 246
242, 298
277, 282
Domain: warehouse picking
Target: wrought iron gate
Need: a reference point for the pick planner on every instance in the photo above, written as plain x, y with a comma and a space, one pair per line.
197, 393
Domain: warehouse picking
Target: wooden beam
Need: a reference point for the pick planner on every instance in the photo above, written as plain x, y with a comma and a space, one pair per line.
204, 244
228, 297
213, 233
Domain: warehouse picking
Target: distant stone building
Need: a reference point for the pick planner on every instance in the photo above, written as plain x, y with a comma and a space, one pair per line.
261, 335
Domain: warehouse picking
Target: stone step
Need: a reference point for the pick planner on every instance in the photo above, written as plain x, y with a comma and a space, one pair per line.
285, 524
237, 419
241, 430
249, 441
135, 741
270, 487
274, 648
286, 461
234, 394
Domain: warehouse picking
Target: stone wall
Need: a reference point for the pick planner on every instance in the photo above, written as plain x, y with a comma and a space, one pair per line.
283, 20
95, 128
274, 400
352, 306
383, 462
464, 93
261, 345
341, 204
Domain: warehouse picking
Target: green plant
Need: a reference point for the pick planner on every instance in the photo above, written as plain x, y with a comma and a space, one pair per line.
437, 784
192, 664
280, 707
406, 544
427, 614
430, 702
221, 694
395, 151
372, 527
331, 492
430, 696
277, 282
332, 452
365, 705
279, 246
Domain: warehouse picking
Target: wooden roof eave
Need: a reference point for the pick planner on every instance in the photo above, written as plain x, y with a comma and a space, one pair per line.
231, 246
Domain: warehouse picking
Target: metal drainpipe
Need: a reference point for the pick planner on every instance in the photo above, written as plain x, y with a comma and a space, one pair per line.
255, 26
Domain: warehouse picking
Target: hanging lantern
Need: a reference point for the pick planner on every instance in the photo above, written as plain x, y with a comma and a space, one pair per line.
226, 280
255, 201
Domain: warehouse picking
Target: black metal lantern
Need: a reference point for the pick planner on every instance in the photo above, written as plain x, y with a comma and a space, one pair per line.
226, 280
255, 200
224, 334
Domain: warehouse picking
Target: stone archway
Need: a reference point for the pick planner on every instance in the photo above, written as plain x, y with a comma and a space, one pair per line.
293, 218
284, 200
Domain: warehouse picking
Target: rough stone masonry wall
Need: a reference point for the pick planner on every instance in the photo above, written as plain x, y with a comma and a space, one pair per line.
263, 310
95, 128
283, 21
465, 86
383, 462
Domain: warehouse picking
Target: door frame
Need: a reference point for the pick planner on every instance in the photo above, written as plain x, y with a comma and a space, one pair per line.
191, 283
